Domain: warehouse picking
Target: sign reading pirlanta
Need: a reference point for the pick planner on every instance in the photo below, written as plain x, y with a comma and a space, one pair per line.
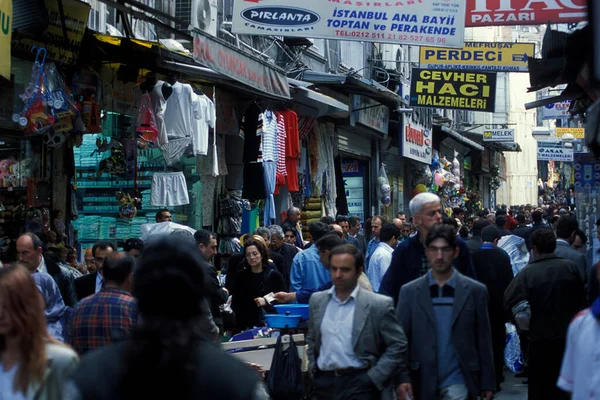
479, 56
416, 143
557, 110
578, 133
237, 66
553, 151
475, 91
524, 12
499, 135
420, 22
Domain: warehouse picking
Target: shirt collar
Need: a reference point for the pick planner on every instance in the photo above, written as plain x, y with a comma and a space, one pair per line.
352, 295
42, 267
451, 282
387, 247
487, 246
562, 241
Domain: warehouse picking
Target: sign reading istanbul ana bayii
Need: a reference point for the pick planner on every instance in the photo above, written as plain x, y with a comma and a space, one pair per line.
524, 12
420, 22
499, 135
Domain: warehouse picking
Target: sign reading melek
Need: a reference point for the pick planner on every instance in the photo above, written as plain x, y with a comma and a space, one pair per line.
479, 56
524, 12
420, 22
416, 142
499, 135
475, 91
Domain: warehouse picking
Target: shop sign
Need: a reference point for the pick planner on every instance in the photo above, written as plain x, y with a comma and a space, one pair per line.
59, 48
467, 163
416, 143
524, 12
373, 115
235, 65
5, 35
441, 23
354, 181
479, 56
474, 91
499, 135
557, 110
578, 133
553, 151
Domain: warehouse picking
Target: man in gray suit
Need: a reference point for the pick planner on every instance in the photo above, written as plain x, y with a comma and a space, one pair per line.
355, 343
445, 317
565, 235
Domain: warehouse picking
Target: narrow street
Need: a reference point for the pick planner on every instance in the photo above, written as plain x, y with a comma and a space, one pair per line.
512, 388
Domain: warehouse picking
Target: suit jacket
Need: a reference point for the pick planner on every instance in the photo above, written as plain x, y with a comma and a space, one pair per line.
86, 285
471, 336
64, 279
534, 228
378, 339
474, 243
215, 294
565, 251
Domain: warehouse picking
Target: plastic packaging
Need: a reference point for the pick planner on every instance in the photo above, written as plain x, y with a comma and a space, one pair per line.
513, 358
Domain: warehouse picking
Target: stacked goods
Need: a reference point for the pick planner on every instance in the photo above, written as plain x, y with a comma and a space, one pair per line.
312, 212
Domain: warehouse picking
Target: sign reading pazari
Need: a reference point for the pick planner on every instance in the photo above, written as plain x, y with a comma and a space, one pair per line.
524, 12
237, 66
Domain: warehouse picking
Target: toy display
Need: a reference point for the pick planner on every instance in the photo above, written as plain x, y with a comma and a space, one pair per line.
383, 187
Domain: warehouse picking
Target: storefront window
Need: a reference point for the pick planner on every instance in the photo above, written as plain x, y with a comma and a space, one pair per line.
354, 183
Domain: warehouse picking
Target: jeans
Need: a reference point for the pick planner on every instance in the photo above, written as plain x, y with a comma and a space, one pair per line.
454, 392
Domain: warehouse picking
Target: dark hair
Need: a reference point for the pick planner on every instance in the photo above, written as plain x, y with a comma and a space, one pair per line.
185, 237
566, 226
203, 236
341, 218
490, 233
543, 240
582, 235
379, 217
117, 267
457, 210
353, 221
444, 232
159, 213
328, 220
388, 231
400, 213
536, 216
317, 230
329, 242
500, 220
451, 222
169, 288
521, 218
598, 222
103, 245
261, 247
359, 258
501, 211
463, 232
133, 244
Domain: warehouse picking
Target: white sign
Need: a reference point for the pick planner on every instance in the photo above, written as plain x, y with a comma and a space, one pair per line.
557, 110
416, 143
373, 115
499, 135
554, 151
423, 22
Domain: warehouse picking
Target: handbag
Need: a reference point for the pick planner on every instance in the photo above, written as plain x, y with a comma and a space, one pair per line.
285, 376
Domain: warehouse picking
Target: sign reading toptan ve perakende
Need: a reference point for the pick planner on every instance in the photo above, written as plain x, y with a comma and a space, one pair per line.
474, 91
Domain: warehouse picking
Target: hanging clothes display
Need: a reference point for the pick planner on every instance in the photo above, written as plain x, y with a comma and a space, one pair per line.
159, 104
169, 190
269, 154
206, 117
326, 152
251, 129
292, 149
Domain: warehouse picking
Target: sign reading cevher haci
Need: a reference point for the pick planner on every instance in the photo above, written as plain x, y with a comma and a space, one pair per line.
475, 91
499, 135
479, 56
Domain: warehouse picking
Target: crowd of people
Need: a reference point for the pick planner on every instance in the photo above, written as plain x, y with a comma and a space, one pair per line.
415, 306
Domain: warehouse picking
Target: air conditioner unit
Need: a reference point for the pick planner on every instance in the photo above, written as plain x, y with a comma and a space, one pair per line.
389, 53
204, 16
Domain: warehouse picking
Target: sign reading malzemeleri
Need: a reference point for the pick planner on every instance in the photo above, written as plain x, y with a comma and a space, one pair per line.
423, 22
475, 91
499, 135
479, 56
553, 151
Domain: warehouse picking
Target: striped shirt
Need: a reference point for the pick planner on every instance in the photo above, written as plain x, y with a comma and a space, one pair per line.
281, 136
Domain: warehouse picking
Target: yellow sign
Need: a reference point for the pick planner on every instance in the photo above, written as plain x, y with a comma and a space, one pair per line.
59, 48
578, 133
5, 35
479, 56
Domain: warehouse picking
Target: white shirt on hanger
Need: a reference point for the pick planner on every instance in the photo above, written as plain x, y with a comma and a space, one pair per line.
206, 116
179, 113
159, 104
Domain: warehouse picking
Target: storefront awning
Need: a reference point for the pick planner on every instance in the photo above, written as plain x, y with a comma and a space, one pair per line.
498, 146
350, 84
314, 104
457, 136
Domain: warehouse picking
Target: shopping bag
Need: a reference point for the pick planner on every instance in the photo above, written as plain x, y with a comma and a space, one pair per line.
513, 357
285, 376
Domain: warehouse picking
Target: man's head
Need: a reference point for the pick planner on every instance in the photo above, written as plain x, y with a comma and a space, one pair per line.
118, 270
521, 219
317, 230
164, 215
490, 234
390, 234
376, 224
325, 245
337, 229
328, 220
566, 228
543, 242
491, 218
29, 251
500, 221
458, 213
536, 217
134, 247
207, 243
277, 236
342, 221
426, 209
580, 241
398, 222
470, 222
263, 232
406, 229
293, 214
289, 235
440, 248
88, 257
401, 216
346, 264
354, 225
100, 251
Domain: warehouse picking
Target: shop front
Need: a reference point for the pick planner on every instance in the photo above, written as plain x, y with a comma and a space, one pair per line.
416, 148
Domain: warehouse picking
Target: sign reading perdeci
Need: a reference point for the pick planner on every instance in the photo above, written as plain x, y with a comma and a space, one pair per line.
474, 91
416, 143
499, 135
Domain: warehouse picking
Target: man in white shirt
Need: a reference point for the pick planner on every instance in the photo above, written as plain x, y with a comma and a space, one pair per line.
382, 256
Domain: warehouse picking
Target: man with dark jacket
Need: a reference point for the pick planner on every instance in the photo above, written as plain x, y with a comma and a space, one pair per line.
536, 216
493, 268
29, 251
500, 223
286, 250
293, 221
522, 228
408, 260
92, 283
354, 231
554, 291
566, 229
474, 242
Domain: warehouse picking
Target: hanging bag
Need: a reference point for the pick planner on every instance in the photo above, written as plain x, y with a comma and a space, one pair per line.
285, 376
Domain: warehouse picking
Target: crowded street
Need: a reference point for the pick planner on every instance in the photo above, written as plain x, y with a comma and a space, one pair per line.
300, 199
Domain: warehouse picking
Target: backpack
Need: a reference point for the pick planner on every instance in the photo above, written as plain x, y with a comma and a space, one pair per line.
285, 376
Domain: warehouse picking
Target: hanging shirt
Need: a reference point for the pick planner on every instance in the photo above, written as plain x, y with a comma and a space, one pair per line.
179, 118
292, 144
206, 116
281, 137
269, 136
250, 129
159, 105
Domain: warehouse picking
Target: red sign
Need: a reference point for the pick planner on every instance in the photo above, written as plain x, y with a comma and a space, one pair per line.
524, 12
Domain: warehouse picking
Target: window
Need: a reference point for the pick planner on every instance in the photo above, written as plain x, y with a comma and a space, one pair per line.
318, 47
